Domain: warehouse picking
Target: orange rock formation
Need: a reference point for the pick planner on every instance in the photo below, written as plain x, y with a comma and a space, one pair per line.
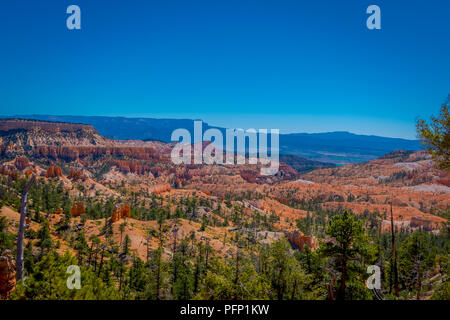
75, 174
77, 209
21, 163
159, 188
7, 274
53, 172
299, 240
120, 211
420, 222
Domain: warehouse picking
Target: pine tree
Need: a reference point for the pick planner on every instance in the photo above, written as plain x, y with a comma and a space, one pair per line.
415, 259
348, 247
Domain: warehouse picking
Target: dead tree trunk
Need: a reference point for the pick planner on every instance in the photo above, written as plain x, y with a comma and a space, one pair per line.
20, 234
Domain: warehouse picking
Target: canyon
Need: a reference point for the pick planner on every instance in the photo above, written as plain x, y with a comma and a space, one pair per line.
90, 166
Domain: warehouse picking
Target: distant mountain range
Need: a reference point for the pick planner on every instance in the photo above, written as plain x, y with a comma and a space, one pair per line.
332, 148
342, 147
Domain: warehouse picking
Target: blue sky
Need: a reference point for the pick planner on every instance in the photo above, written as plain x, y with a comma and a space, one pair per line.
299, 67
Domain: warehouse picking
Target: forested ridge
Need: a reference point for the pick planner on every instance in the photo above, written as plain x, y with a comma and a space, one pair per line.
189, 268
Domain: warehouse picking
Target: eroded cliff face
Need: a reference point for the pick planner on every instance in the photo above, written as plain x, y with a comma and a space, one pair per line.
77, 209
423, 223
53, 172
395, 169
160, 188
78, 145
76, 175
26, 134
7, 274
21, 163
75, 153
253, 175
120, 211
299, 240
49, 127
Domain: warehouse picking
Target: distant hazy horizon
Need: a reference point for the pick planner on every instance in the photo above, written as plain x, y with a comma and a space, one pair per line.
311, 124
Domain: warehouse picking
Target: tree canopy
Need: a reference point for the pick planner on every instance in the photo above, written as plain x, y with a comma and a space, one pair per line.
435, 136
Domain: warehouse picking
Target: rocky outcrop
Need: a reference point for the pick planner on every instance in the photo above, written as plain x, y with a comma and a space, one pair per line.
50, 127
30, 172
252, 174
72, 153
21, 163
7, 274
34, 138
8, 170
120, 211
419, 222
299, 240
76, 174
444, 181
77, 209
249, 175
130, 166
53, 172
160, 188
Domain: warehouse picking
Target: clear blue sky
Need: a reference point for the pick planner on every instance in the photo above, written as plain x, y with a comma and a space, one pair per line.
299, 67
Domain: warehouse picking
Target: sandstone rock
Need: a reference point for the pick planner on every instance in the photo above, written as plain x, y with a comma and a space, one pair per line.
30, 172
49, 127
8, 170
419, 222
77, 209
72, 153
7, 274
120, 211
53, 172
21, 163
444, 181
160, 188
76, 174
299, 240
